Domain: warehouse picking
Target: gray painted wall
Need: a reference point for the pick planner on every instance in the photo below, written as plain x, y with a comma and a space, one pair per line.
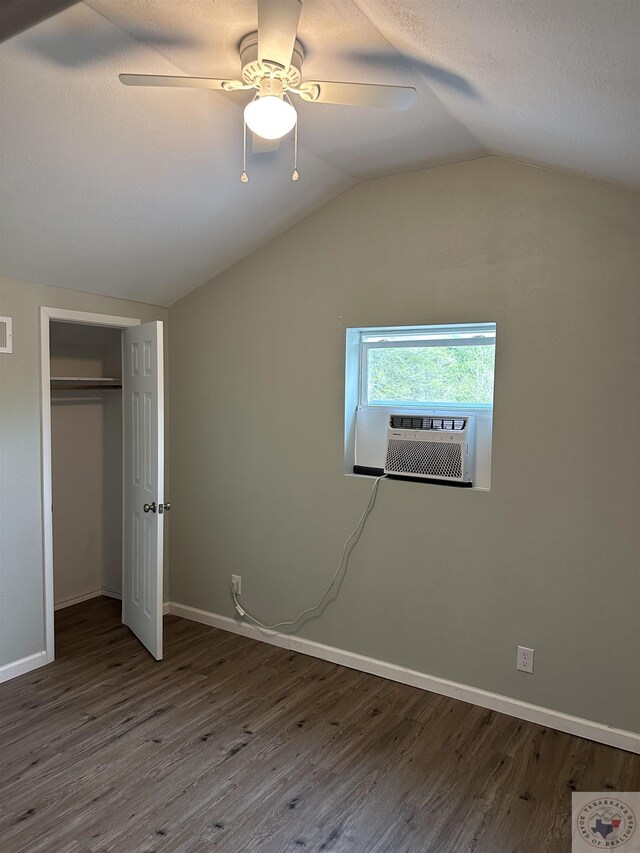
444, 581
21, 570
78, 485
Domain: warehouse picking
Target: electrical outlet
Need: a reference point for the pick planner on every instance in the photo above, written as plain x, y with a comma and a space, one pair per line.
525, 659
236, 584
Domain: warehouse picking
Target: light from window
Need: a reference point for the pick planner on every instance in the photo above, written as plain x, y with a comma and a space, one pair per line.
427, 366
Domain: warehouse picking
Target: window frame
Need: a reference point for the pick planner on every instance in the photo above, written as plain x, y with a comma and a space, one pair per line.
453, 338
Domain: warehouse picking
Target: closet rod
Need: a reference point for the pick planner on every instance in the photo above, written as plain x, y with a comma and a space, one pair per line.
85, 387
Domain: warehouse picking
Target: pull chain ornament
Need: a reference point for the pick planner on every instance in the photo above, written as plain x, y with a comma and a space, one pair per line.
295, 175
244, 177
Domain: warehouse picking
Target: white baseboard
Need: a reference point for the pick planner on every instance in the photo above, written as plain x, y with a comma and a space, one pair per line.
111, 593
69, 602
19, 667
485, 699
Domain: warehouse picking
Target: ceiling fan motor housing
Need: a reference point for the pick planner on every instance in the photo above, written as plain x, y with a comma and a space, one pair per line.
254, 71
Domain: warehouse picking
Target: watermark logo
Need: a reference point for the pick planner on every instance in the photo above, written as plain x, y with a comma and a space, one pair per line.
605, 821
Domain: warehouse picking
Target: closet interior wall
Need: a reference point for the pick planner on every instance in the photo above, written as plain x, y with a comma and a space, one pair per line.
86, 448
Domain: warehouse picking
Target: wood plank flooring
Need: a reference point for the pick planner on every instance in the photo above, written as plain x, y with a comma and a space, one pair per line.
232, 745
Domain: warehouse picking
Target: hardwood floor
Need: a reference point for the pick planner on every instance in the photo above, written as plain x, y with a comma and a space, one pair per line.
233, 745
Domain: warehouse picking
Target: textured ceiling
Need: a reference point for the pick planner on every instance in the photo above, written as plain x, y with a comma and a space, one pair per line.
136, 193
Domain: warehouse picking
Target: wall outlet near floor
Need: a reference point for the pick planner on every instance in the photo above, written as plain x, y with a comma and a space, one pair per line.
236, 584
525, 659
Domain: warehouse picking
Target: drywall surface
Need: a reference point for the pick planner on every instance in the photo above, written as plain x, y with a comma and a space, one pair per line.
77, 439
444, 581
21, 568
112, 495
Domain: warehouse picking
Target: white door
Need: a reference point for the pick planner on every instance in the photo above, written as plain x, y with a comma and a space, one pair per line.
143, 522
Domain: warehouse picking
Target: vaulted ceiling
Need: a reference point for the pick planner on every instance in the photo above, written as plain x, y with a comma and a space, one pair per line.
136, 193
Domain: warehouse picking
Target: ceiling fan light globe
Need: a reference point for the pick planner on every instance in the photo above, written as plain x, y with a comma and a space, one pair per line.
270, 117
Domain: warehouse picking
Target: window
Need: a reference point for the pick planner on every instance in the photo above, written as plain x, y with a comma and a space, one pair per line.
428, 366
416, 370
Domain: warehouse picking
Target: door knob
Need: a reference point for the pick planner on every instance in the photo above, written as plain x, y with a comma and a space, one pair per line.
167, 506
150, 507
163, 508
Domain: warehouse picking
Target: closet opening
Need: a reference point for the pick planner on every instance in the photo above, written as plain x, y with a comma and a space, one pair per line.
103, 502
86, 463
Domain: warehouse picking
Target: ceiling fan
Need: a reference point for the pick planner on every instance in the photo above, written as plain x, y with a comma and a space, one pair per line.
271, 61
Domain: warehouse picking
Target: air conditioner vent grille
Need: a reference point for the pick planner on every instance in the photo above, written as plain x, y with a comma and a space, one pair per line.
416, 422
427, 458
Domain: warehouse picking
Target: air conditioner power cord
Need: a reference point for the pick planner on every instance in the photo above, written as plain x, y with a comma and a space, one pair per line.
346, 551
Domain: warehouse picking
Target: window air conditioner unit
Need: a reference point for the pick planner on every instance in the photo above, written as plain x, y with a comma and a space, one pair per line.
438, 448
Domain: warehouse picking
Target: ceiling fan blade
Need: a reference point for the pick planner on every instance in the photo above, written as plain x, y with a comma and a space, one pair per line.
359, 94
277, 30
263, 146
19, 15
162, 80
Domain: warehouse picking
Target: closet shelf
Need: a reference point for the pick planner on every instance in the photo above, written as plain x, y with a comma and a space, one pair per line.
84, 383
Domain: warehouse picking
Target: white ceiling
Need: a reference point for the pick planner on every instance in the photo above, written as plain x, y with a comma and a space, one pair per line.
136, 193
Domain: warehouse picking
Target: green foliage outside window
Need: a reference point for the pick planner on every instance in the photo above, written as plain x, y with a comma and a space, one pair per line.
431, 374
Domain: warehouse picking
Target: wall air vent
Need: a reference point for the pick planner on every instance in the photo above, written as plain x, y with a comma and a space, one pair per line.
6, 336
431, 448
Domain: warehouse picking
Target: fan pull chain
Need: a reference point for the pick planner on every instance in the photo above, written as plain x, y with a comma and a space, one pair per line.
244, 177
295, 176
